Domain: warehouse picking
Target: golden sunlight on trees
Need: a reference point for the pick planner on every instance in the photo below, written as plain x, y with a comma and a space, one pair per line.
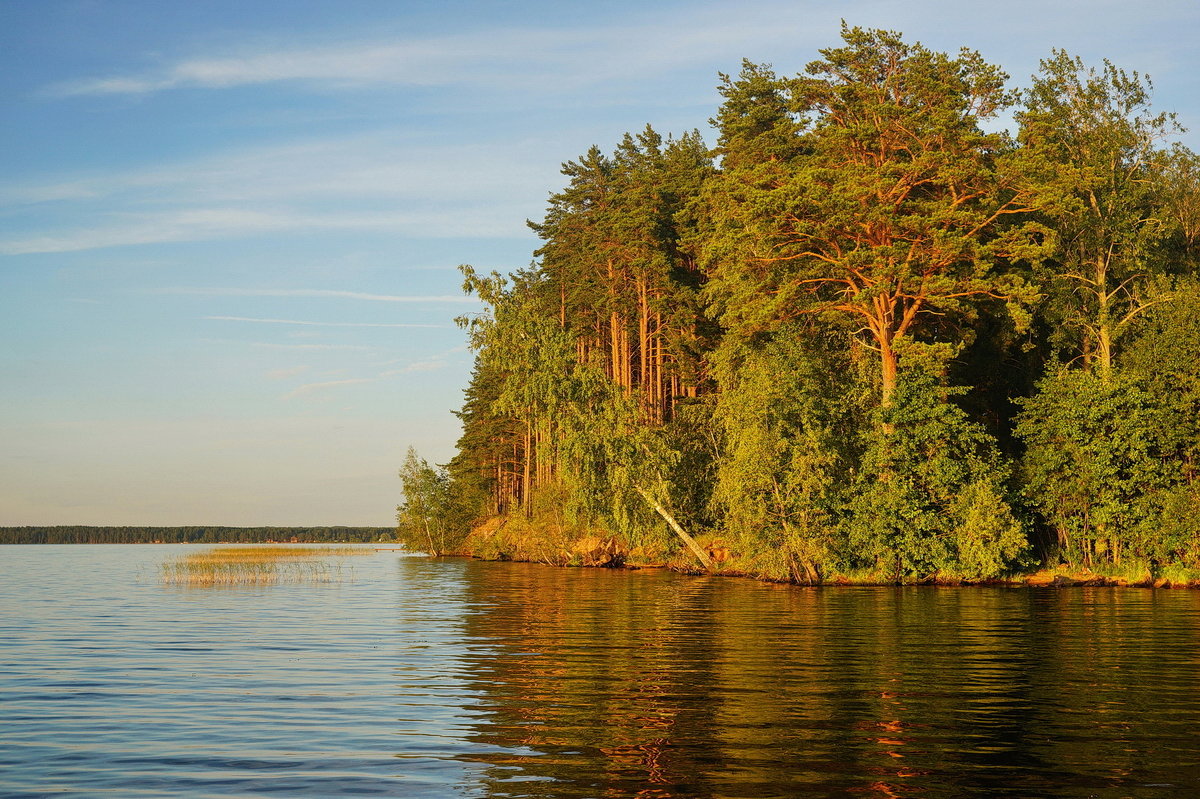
867, 337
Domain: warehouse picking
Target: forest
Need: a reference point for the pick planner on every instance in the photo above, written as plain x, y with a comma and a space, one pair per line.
67, 534
901, 323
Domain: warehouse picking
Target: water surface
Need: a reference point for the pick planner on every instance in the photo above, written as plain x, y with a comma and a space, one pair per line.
454, 678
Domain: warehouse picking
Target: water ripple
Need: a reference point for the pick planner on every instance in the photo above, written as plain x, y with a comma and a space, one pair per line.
452, 678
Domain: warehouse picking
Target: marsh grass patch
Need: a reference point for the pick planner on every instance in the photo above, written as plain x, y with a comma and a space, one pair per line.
259, 565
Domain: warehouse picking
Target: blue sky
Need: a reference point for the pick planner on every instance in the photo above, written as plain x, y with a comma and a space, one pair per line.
229, 231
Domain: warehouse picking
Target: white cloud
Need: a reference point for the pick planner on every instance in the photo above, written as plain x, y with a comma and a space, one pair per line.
309, 388
373, 165
431, 364
308, 347
377, 183
428, 365
187, 225
318, 324
405, 185
153, 227
284, 374
351, 295
437, 357
512, 59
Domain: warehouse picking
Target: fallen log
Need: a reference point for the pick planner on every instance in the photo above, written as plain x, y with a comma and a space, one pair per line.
697, 550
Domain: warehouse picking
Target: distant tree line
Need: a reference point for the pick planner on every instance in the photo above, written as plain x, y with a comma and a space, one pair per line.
190, 535
868, 335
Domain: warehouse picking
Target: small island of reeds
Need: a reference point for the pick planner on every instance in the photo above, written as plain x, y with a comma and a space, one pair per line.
259, 565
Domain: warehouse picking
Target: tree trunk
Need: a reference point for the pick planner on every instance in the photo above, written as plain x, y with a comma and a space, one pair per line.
428, 534
614, 349
700, 554
889, 370
1104, 332
644, 340
527, 473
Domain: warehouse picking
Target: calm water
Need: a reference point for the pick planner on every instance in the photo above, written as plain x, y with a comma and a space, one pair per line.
460, 679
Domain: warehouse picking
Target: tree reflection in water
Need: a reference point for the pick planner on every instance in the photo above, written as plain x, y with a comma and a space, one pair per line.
600, 683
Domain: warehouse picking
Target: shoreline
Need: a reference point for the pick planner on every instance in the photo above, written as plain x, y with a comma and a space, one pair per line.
498, 541
1059, 577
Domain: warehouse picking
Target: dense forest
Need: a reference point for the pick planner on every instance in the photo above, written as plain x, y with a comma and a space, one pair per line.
190, 535
870, 335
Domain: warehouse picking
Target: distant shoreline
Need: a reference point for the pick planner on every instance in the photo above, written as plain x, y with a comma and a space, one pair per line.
194, 534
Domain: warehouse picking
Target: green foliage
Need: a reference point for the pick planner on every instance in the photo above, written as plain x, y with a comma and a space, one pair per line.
783, 412
761, 337
613, 459
1177, 574
421, 520
1101, 462
930, 499
1165, 349
1179, 200
1171, 527
1092, 169
694, 437
884, 215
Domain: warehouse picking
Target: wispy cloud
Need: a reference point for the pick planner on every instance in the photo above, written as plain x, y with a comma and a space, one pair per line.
377, 183
431, 364
187, 225
308, 347
438, 357
428, 365
378, 165
507, 59
153, 227
333, 293
285, 373
309, 388
318, 324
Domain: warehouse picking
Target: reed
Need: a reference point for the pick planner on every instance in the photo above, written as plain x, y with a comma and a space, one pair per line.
258, 565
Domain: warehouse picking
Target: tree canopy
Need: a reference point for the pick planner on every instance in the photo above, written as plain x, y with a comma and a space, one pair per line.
869, 334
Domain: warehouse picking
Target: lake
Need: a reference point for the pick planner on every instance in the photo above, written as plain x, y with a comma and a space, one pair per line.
415, 677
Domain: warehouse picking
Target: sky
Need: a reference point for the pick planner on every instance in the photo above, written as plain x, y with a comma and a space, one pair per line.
230, 231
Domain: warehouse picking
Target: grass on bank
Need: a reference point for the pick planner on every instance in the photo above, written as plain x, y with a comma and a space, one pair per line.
258, 565
545, 539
